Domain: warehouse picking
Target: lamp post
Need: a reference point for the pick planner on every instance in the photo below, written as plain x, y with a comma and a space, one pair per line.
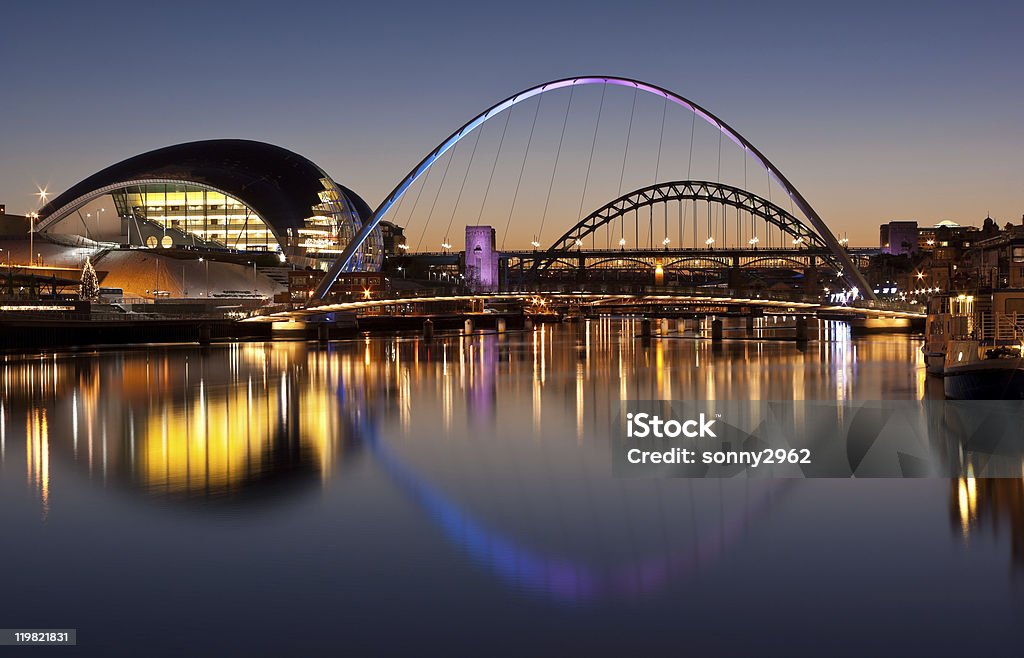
203, 260
31, 235
42, 194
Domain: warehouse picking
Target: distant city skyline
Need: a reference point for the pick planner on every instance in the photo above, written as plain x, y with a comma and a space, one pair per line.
905, 111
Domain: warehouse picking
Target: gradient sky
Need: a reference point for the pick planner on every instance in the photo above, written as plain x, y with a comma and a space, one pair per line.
875, 111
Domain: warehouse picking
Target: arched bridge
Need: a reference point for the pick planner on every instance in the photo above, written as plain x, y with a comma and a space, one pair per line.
812, 231
679, 191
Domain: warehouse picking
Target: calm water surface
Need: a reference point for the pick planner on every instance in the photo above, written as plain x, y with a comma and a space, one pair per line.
389, 495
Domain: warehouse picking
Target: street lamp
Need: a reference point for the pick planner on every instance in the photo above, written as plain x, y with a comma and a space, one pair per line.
203, 260
666, 241
622, 243
753, 241
31, 233
98, 211
710, 241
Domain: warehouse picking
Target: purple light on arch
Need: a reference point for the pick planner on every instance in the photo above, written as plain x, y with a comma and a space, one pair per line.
344, 260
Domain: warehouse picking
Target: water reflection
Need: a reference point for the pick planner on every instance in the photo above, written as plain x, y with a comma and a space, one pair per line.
500, 441
995, 505
183, 422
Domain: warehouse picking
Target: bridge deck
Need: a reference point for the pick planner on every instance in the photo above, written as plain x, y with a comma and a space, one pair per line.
600, 299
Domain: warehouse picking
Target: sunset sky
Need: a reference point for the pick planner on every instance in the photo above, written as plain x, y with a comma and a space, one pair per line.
875, 111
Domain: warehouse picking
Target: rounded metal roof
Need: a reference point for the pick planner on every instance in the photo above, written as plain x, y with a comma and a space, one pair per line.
280, 185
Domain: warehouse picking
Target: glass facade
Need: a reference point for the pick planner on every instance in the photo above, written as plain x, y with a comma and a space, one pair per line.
190, 215
333, 225
165, 214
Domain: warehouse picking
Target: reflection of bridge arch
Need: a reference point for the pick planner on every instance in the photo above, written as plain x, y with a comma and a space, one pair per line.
561, 577
346, 259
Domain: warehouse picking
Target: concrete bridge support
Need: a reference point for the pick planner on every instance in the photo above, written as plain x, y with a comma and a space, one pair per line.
801, 328
716, 330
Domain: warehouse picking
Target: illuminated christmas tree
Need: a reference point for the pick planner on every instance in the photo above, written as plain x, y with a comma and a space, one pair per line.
90, 289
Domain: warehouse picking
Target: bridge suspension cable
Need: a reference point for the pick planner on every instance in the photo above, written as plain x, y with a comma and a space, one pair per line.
554, 170
844, 263
522, 169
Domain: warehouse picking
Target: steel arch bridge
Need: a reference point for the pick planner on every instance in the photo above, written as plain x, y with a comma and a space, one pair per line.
680, 191
347, 261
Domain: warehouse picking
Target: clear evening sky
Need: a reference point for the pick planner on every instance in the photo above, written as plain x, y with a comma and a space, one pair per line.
875, 111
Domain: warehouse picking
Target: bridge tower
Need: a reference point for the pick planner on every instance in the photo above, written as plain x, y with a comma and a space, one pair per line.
481, 266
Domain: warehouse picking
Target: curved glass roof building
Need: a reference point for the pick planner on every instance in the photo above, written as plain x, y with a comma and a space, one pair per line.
225, 194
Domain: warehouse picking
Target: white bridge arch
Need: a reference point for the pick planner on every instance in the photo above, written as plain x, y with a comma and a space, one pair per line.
345, 260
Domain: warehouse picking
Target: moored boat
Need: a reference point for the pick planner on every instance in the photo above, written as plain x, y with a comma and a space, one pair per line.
983, 351
937, 330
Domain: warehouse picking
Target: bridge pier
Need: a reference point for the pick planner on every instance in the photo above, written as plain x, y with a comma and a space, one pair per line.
716, 330
323, 332
645, 328
467, 326
428, 329
749, 324
801, 328
205, 332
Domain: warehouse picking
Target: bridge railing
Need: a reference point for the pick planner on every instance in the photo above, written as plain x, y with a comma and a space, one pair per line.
883, 305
